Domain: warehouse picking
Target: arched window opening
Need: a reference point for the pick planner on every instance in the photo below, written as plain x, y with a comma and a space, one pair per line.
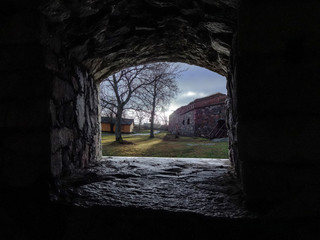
145, 118
106, 42
182, 146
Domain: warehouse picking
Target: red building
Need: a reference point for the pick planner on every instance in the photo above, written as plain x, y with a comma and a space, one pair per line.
203, 117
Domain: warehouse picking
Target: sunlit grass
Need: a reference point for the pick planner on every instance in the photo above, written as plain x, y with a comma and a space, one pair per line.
182, 147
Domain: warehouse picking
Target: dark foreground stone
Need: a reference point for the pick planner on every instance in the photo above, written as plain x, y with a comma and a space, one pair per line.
54, 221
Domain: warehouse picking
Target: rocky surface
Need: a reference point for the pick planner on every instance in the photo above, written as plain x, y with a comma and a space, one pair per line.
107, 36
203, 186
75, 127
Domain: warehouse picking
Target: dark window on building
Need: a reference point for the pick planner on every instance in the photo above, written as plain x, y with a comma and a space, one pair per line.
183, 122
188, 121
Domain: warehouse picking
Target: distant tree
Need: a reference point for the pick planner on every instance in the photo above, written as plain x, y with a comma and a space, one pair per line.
160, 91
107, 109
118, 89
163, 118
140, 115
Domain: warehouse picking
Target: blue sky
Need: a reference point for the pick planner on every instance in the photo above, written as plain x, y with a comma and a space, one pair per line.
195, 83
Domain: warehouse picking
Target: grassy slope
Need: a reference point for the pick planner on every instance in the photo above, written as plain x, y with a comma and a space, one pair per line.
156, 147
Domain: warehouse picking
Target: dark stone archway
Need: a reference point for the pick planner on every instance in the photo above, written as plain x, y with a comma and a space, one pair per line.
107, 36
103, 38
55, 52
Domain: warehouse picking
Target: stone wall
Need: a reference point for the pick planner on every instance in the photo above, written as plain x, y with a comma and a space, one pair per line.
24, 118
275, 96
75, 129
202, 115
104, 37
107, 36
49, 118
231, 112
48, 51
182, 124
73, 108
206, 118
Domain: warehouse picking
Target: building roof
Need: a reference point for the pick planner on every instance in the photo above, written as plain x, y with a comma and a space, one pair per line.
127, 121
213, 99
124, 121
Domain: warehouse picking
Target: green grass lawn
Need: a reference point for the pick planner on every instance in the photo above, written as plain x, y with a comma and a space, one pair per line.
141, 130
143, 146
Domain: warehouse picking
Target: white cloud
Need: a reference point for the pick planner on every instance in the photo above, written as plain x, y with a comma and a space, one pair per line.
192, 94
188, 94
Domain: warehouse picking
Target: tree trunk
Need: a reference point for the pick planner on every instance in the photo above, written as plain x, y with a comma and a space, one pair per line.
111, 122
152, 116
151, 125
118, 125
153, 109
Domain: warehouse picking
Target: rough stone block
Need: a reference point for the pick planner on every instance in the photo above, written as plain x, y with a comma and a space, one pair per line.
74, 114
85, 156
80, 111
56, 163
67, 165
62, 90
51, 61
81, 79
53, 113
68, 114
60, 138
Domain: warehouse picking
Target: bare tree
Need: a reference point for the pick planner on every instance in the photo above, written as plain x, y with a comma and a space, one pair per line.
161, 89
140, 116
118, 89
107, 109
163, 118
